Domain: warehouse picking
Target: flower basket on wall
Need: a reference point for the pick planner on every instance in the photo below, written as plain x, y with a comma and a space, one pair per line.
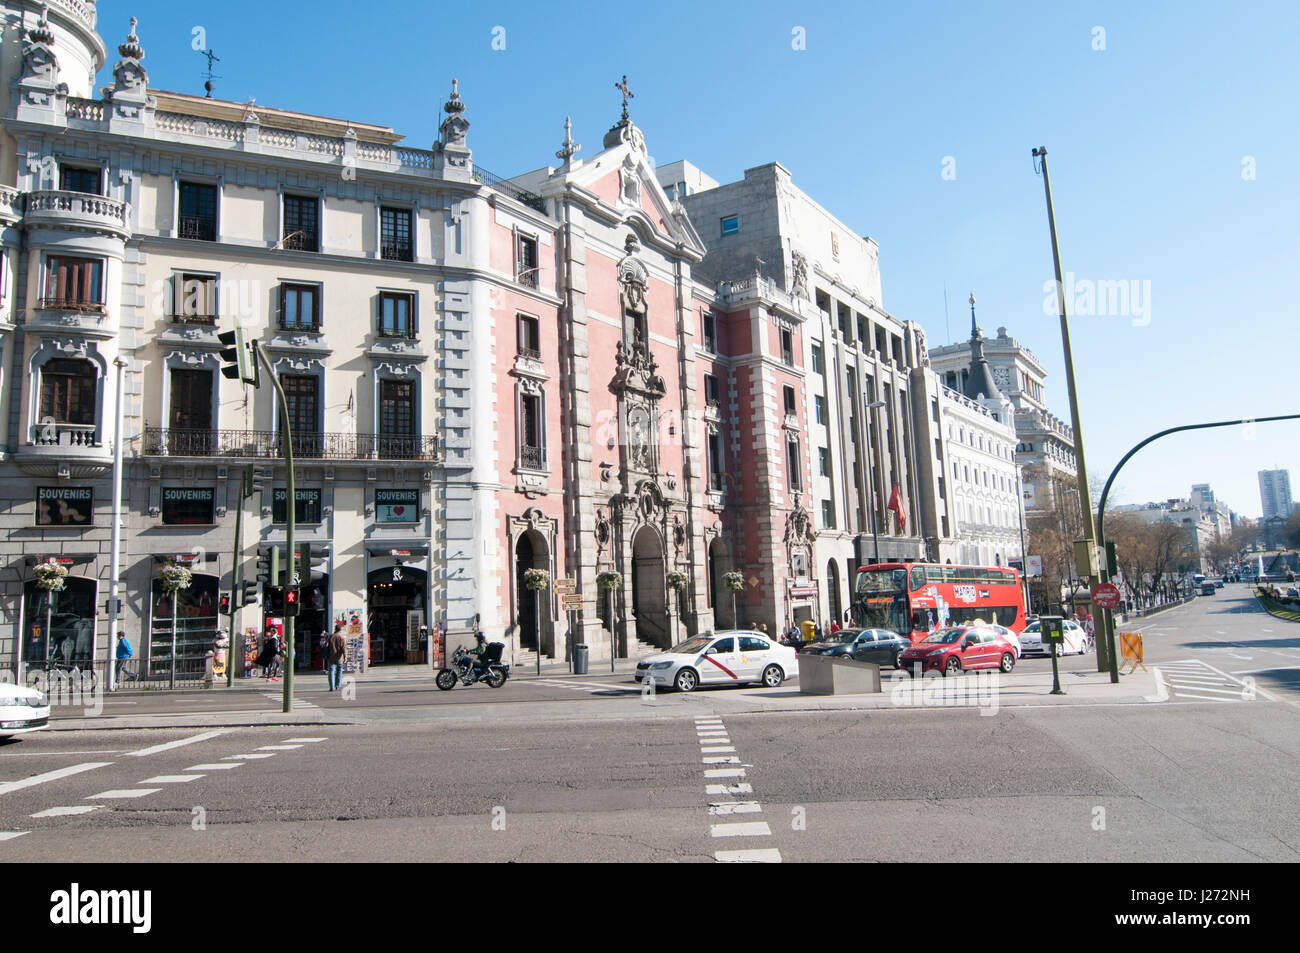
175, 576
51, 577
536, 579
609, 580
735, 580
677, 580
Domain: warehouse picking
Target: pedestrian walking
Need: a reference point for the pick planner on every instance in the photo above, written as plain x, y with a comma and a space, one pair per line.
268, 656
336, 653
123, 654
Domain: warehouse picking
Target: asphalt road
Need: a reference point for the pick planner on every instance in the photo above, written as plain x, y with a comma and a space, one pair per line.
1207, 772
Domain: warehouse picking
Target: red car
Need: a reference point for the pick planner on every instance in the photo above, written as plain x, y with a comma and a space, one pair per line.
959, 648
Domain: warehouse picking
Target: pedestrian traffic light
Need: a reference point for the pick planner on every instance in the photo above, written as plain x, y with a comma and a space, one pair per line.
313, 559
249, 595
1112, 561
268, 565
240, 356
223, 604
291, 600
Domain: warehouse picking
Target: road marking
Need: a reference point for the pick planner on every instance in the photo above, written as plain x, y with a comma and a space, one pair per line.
735, 807
767, 855
278, 747
741, 829
126, 793
36, 779
721, 759
716, 749
1208, 698
305, 741
172, 779
742, 788
66, 811
210, 767
1219, 691
176, 744
10, 835
242, 757
725, 773
1271, 668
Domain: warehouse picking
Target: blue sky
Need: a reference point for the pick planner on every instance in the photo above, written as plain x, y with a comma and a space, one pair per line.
1174, 155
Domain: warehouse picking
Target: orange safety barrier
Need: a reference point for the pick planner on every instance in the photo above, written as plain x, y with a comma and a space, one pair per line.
1130, 650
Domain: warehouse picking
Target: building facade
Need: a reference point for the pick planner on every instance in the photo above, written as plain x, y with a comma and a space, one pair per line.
1275, 494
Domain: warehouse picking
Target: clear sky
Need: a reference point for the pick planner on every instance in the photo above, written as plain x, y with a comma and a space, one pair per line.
1171, 129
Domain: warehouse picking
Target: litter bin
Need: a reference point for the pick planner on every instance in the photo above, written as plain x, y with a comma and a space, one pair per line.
579, 660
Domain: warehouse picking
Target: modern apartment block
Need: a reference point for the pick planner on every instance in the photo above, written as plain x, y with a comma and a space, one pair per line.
1275, 493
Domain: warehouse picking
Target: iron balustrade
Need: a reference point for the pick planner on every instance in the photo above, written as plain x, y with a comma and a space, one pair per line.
528, 276
200, 228
164, 441
72, 304
531, 353
207, 320
533, 458
395, 251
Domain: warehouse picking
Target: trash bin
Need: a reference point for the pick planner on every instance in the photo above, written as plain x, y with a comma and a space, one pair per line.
579, 660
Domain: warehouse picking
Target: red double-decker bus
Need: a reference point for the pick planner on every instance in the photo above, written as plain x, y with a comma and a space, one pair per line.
916, 598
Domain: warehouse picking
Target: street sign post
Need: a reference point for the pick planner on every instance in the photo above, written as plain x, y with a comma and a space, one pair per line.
1106, 595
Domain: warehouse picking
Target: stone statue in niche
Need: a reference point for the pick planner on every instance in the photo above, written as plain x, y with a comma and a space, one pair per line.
638, 426
631, 184
799, 281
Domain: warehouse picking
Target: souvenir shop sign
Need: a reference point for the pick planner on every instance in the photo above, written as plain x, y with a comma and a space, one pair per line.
188, 506
65, 506
397, 506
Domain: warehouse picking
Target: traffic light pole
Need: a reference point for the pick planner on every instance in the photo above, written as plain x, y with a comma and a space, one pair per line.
291, 506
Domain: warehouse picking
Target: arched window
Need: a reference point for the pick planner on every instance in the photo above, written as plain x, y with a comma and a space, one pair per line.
68, 391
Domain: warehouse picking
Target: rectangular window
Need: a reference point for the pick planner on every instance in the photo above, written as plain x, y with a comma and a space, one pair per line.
396, 315
793, 461
710, 332
395, 234
76, 284
188, 506
299, 307
306, 506
190, 399
817, 366
397, 506
301, 223
787, 347
68, 390
711, 397
530, 337
828, 514
819, 402
788, 392
302, 399
531, 452
731, 225
65, 506
198, 212
396, 419
716, 468
195, 299
78, 179
824, 461
527, 270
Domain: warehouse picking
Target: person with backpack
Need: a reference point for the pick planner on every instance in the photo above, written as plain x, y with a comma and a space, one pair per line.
269, 654
336, 653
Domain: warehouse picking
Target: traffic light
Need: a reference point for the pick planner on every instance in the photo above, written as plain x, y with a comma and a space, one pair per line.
240, 356
291, 600
312, 563
256, 480
249, 595
1112, 561
223, 604
268, 565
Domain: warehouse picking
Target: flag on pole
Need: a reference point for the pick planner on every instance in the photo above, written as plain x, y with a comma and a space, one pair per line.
896, 504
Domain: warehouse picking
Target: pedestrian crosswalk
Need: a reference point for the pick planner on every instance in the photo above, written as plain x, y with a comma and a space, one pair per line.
1196, 680
590, 688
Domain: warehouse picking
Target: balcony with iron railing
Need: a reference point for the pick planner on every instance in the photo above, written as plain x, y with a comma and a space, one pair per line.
396, 251
532, 458
200, 228
174, 442
301, 241
530, 277
202, 320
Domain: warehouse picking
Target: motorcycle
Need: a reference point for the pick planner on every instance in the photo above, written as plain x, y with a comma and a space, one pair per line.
461, 670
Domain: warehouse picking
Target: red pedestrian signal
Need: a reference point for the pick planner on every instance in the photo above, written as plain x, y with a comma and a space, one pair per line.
291, 600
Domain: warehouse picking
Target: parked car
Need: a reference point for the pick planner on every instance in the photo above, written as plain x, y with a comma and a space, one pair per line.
1207, 589
22, 710
864, 645
960, 648
723, 658
1031, 640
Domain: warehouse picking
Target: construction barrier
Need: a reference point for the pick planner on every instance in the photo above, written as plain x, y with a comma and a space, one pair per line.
1130, 650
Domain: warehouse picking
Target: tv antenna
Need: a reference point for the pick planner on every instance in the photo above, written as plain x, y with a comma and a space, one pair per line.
212, 58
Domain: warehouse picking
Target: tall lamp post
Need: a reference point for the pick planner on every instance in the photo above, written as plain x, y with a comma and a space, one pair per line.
1085, 498
871, 479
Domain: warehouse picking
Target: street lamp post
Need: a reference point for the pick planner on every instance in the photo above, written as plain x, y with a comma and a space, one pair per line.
1085, 498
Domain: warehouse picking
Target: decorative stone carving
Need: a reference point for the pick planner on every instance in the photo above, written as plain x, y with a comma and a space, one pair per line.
602, 531
922, 353
799, 280
39, 61
638, 432
454, 130
128, 74
631, 191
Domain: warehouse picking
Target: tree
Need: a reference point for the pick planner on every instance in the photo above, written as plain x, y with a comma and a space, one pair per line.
1149, 553
1291, 533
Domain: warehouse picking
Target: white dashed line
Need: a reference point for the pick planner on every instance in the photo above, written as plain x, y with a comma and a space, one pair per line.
10, 835
210, 767
716, 749
127, 793
36, 779
242, 757
278, 747
735, 807
66, 811
725, 773
742, 788
305, 741
721, 759
172, 779
767, 855
741, 829
176, 744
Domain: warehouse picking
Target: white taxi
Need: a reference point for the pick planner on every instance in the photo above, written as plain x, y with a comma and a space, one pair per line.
22, 709
721, 658
1076, 639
